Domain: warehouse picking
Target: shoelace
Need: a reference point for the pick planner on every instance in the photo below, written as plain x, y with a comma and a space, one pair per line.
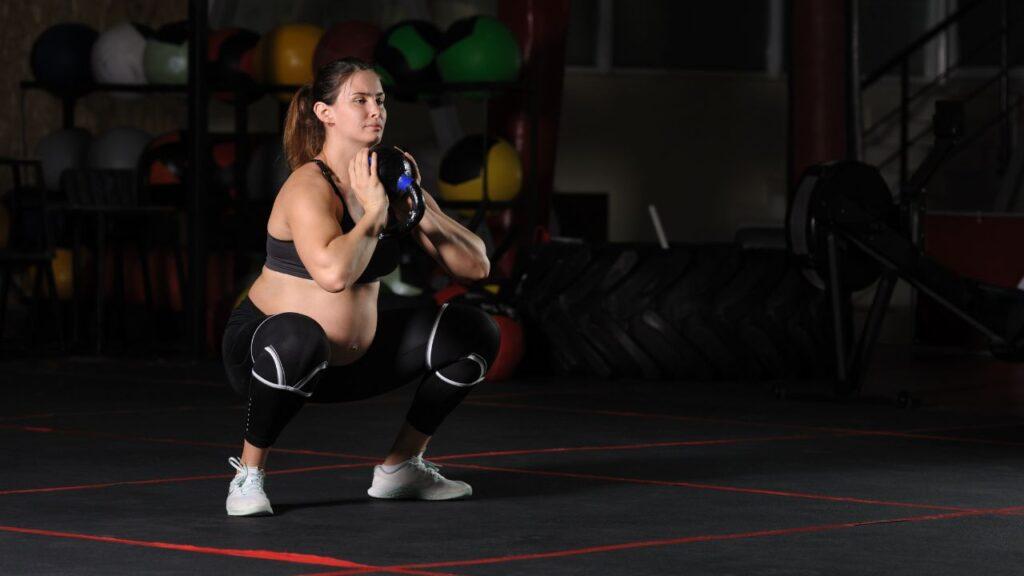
428, 466
253, 480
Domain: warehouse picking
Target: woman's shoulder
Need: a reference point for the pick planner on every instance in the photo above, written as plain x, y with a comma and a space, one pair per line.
306, 181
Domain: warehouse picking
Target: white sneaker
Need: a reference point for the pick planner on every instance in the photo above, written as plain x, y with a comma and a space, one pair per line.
245, 493
416, 479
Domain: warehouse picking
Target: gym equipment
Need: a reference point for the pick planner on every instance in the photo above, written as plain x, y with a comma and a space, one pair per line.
405, 58
63, 274
859, 183
61, 150
118, 148
229, 56
60, 58
842, 225
352, 38
285, 56
462, 170
165, 58
479, 49
117, 55
164, 160
398, 176
692, 313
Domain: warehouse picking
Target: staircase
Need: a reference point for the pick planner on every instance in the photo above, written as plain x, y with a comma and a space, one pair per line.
895, 111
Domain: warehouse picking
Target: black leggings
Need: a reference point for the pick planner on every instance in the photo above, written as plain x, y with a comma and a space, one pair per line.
462, 342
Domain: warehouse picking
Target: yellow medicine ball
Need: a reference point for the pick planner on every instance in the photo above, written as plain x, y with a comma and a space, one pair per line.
285, 56
462, 170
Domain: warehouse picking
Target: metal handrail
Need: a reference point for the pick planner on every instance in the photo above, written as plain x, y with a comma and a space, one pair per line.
888, 116
902, 60
921, 41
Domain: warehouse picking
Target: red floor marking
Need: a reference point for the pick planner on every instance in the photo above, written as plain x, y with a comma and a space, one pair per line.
672, 542
178, 441
175, 480
139, 412
27, 416
914, 436
582, 476
613, 447
714, 487
910, 434
289, 557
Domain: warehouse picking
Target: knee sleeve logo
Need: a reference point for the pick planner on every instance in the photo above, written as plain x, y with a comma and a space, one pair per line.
475, 358
282, 379
433, 334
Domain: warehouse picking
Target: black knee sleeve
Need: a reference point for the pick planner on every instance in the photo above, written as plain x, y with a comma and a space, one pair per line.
463, 343
289, 352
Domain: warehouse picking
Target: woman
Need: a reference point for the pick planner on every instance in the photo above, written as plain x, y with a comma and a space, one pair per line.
310, 329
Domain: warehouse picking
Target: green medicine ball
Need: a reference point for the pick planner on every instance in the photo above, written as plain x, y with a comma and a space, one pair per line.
479, 49
165, 63
405, 58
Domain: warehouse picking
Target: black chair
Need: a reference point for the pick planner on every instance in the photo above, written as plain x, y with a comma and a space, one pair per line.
30, 244
105, 199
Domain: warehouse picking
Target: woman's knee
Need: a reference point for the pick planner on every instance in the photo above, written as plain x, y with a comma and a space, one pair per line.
288, 352
463, 335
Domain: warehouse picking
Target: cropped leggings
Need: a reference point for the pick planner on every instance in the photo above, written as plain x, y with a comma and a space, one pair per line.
279, 362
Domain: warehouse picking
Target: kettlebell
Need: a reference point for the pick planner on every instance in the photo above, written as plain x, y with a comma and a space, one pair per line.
398, 176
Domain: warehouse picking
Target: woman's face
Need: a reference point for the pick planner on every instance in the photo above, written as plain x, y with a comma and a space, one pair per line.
358, 113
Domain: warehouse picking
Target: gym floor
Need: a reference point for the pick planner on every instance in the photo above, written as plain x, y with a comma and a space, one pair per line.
120, 467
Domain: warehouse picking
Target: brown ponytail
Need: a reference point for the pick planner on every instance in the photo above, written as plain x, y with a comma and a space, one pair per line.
303, 132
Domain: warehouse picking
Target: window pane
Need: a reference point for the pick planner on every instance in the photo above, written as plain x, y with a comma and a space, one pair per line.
723, 35
886, 27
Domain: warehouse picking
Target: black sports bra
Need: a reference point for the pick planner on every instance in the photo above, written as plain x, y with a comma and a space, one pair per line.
282, 256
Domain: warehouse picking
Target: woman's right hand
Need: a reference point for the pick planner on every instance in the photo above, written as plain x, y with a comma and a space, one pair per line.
362, 176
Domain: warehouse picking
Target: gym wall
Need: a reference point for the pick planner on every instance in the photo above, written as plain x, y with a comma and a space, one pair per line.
708, 149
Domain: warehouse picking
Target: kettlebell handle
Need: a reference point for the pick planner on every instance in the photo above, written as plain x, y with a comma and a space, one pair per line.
399, 179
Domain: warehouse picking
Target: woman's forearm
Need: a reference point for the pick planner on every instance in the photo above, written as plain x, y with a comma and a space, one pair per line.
352, 251
463, 252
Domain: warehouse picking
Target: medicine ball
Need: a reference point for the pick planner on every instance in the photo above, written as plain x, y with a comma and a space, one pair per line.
229, 56
405, 58
353, 38
60, 58
117, 55
165, 58
285, 56
165, 159
479, 49
462, 170
60, 151
118, 148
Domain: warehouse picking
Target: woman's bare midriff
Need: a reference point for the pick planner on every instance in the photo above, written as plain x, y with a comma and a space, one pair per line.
348, 317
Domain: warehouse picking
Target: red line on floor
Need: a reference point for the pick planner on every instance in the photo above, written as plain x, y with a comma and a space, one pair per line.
613, 447
714, 487
909, 434
691, 485
139, 412
289, 557
942, 438
175, 480
677, 541
177, 441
